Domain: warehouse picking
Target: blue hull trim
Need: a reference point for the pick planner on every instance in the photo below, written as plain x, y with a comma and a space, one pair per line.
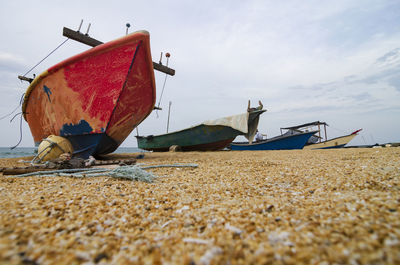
86, 145
288, 142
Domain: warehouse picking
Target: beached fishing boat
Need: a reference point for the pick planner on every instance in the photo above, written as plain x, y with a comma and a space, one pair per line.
96, 98
318, 141
208, 136
281, 142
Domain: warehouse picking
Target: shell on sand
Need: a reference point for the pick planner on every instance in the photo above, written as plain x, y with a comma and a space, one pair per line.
262, 207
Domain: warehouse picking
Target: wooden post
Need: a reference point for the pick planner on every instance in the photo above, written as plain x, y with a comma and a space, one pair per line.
319, 132
23, 78
164, 69
76, 35
169, 111
85, 39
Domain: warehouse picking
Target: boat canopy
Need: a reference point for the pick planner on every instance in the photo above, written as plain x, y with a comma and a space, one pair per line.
315, 123
246, 123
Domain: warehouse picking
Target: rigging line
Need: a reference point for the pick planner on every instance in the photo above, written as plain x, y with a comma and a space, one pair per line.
5, 116
20, 102
20, 130
165, 81
162, 91
46, 57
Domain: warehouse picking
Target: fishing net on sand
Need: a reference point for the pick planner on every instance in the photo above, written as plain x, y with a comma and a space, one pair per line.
134, 172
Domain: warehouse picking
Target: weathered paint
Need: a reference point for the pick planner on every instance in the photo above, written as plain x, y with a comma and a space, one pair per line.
47, 91
108, 89
287, 142
82, 127
208, 136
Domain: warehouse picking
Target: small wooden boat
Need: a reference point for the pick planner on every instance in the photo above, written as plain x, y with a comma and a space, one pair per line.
207, 136
96, 98
317, 141
281, 142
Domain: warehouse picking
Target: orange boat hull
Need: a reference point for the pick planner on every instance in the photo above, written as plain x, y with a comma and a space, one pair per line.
96, 98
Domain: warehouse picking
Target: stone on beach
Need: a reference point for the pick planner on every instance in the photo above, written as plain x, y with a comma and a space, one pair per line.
281, 207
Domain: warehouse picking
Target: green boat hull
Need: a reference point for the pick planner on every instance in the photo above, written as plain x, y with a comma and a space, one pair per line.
198, 138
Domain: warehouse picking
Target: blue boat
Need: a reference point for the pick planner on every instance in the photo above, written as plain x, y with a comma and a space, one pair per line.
281, 142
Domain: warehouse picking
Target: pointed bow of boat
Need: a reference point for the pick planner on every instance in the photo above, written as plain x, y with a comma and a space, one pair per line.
95, 98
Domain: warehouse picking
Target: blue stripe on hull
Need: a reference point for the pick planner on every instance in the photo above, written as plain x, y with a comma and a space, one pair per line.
290, 142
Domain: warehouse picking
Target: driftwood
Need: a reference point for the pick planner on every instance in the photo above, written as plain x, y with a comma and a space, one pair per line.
23, 170
73, 163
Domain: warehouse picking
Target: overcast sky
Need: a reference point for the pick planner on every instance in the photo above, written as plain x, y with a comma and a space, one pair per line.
333, 61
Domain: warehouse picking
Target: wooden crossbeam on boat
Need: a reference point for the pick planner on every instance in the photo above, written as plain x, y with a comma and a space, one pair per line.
24, 78
85, 39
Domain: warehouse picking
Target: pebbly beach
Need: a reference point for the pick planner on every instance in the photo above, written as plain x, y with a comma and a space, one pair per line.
236, 207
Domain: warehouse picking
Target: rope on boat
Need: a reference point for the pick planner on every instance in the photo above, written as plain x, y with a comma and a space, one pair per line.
48, 149
46, 57
123, 172
165, 81
20, 122
19, 105
20, 129
20, 126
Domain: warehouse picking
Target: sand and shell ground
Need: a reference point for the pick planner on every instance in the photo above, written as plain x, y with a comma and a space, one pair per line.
266, 207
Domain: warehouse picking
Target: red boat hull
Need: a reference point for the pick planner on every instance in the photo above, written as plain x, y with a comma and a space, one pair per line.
96, 98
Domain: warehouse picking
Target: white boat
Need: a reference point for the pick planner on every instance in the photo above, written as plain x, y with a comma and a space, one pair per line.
317, 141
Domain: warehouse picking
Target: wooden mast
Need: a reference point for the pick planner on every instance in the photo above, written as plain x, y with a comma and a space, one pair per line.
169, 111
319, 132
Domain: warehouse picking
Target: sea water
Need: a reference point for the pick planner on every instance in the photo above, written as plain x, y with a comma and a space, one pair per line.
7, 152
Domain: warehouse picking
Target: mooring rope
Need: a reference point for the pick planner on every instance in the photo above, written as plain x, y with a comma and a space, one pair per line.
162, 91
21, 100
47, 149
19, 105
20, 129
46, 57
